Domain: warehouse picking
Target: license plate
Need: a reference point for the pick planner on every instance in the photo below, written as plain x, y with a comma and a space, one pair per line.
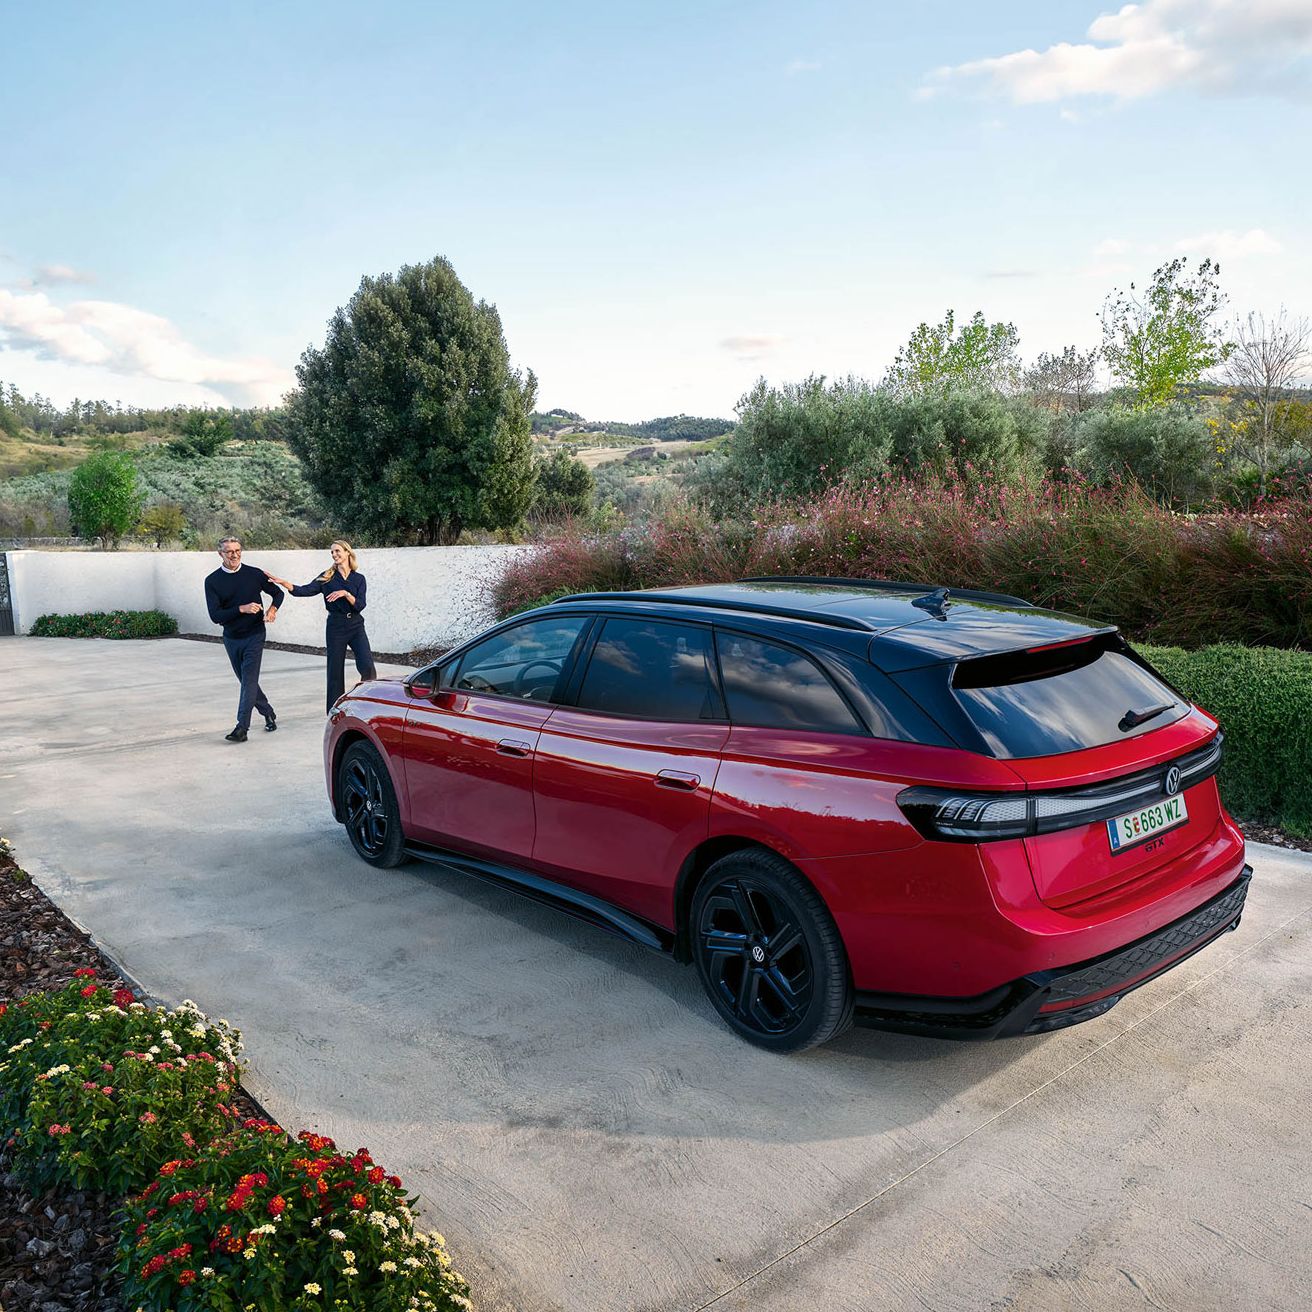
1138, 826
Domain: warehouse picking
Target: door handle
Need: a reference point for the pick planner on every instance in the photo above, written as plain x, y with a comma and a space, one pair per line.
514, 747
677, 779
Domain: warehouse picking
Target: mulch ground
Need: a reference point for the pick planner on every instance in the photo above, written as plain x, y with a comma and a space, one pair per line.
56, 1251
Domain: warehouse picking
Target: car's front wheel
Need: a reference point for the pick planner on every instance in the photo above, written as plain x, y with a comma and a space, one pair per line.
769, 953
369, 807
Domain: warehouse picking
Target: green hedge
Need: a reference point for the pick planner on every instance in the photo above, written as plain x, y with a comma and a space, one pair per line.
106, 624
1263, 698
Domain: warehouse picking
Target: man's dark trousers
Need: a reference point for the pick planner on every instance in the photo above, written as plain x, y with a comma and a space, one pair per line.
246, 655
340, 634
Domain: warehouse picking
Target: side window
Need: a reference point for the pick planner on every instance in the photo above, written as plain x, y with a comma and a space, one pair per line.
652, 669
525, 661
777, 688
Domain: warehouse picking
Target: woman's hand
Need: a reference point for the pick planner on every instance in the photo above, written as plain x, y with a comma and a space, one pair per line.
341, 592
282, 583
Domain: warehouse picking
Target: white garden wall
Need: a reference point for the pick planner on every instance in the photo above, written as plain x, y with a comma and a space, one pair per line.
418, 596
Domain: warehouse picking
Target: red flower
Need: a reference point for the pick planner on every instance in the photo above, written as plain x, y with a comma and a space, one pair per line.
154, 1266
89, 991
359, 1202
177, 1254
200, 1204
169, 1167
186, 1277
84, 972
376, 1175
394, 1181
277, 1205
124, 997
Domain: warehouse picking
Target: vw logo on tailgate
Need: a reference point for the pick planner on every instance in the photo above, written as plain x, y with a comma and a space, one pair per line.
1173, 781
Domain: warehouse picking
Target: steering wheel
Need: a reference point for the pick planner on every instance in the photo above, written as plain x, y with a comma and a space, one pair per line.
522, 679
477, 683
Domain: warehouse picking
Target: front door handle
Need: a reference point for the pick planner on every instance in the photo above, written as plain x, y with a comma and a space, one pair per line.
514, 747
677, 779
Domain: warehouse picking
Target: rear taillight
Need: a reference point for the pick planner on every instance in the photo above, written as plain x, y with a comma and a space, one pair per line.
952, 816
966, 817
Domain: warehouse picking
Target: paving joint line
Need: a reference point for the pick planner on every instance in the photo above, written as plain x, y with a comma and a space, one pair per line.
1005, 1111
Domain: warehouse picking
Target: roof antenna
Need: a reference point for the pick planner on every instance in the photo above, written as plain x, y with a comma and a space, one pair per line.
936, 603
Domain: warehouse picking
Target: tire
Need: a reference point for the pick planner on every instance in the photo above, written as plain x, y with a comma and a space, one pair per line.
769, 954
369, 807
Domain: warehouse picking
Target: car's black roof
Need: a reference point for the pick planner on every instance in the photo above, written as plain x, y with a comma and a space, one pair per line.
898, 625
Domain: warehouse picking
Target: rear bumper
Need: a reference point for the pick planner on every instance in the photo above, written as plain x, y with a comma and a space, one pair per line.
1053, 999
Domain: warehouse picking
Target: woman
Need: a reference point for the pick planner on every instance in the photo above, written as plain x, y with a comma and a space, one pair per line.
343, 590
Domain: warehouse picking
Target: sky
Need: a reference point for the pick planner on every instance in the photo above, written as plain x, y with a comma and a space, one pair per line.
665, 201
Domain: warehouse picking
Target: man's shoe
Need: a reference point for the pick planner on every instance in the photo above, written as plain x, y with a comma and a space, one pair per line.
270, 723
238, 735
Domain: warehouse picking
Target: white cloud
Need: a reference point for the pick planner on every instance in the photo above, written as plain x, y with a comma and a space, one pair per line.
1229, 245
133, 343
798, 66
50, 274
1111, 246
752, 346
1221, 47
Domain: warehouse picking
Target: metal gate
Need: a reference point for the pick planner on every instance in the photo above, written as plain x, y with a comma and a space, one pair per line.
6, 599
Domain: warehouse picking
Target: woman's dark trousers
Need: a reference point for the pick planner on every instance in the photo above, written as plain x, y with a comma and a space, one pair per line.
342, 634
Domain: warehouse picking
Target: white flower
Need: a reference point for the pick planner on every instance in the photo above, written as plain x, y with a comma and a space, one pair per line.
412, 1262
207, 1271
350, 1271
393, 1223
153, 1050
250, 1253
197, 1031
312, 1288
265, 1229
348, 1256
338, 1235
387, 1266
316, 1221
56, 1070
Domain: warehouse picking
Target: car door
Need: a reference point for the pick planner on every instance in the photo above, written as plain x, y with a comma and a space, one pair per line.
625, 770
468, 749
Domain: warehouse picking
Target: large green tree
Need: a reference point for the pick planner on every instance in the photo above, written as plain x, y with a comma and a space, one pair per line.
103, 499
410, 421
940, 356
1164, 337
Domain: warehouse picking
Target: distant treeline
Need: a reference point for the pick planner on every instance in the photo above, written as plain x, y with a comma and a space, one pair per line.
671, 428
39, 415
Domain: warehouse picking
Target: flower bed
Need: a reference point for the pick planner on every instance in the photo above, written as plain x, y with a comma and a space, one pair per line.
101, 1095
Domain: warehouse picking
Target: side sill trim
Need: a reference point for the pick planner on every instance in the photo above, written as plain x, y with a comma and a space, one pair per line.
584, 906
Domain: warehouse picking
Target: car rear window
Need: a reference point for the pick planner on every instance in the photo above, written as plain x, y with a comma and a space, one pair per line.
777, 688
1050, 700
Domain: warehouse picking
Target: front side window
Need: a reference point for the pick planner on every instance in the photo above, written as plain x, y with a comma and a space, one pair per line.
525, 661
652, 669
778, 688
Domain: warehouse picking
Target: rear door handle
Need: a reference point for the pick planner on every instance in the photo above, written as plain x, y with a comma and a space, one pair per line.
514, 747
677, 779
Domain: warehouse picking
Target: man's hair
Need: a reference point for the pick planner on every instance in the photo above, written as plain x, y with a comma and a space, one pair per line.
223, 542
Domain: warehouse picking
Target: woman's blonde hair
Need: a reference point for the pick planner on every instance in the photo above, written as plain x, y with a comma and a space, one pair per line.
350, 560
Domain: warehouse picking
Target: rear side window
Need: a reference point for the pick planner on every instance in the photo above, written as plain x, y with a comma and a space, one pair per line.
651, 669
1064, 699
777, 688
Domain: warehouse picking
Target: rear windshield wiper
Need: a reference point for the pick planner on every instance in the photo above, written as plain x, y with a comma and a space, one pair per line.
1132, 718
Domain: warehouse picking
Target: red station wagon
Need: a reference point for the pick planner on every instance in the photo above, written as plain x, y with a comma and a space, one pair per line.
935, 811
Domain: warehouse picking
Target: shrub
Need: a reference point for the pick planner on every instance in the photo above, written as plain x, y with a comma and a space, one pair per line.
1263, 700
106, 624
96, 1089
264, 1220
1168, 451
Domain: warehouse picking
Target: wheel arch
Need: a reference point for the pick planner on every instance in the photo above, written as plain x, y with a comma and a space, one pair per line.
347, 740
694, 868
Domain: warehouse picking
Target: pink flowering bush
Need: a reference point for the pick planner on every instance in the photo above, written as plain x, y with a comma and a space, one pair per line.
96, 1089
263, 1220
1112, 553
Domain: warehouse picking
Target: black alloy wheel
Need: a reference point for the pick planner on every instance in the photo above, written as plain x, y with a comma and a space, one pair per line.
769, 954
369, 807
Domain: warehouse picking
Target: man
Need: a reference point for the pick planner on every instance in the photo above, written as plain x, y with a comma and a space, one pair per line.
232, 594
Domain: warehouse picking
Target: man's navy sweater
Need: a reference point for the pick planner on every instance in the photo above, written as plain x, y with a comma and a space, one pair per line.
226, 591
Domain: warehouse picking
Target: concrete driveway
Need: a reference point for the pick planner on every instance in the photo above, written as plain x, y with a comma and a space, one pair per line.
581, 1126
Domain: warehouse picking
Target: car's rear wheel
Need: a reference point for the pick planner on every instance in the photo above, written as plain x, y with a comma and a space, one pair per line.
769, 953
369, 807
